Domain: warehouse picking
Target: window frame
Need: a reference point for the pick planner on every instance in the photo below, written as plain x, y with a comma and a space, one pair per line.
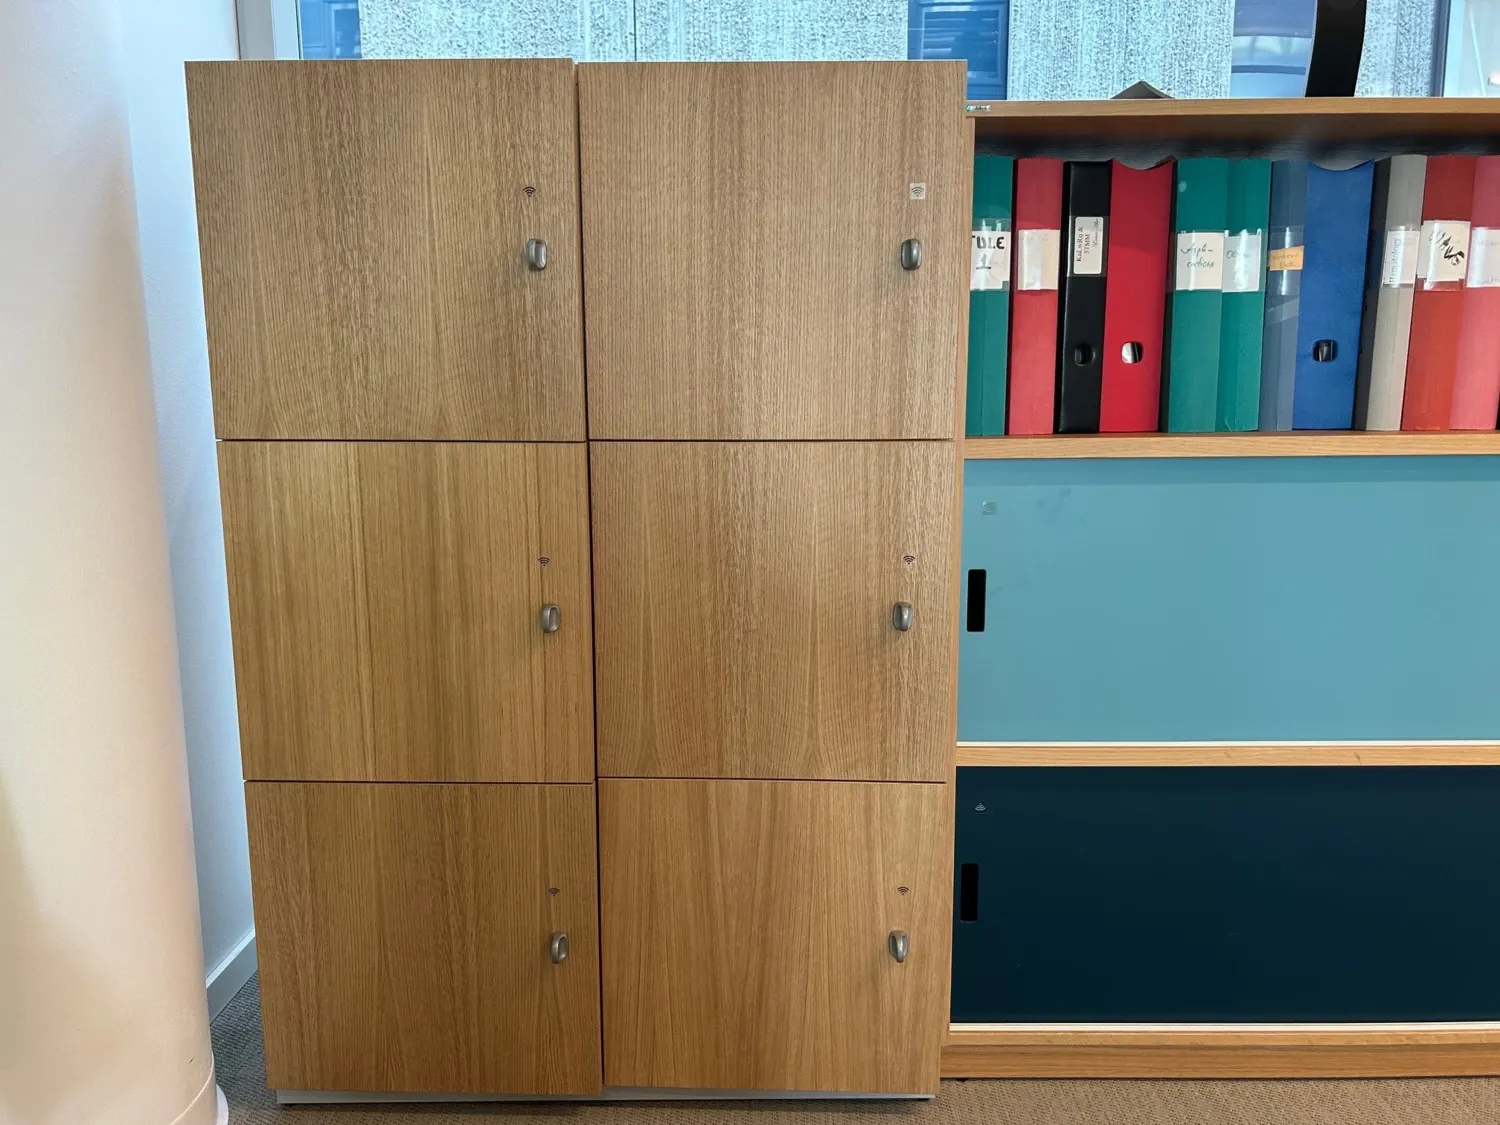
268, 29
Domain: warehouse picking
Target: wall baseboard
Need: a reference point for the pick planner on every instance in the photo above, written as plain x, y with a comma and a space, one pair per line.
1323, 1051
229, 975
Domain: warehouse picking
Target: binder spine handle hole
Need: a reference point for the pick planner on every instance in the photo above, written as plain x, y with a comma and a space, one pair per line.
975, 615
968, 892
1131, 352
1325, 351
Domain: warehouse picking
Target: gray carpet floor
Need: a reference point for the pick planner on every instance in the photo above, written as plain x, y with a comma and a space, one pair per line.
1440, 1101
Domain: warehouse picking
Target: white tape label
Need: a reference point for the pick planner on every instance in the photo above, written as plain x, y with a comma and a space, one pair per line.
989, 260
1200, 259
1242, 262
1399, 266
1088, 245
1444, 254
1484, 258
1037, 253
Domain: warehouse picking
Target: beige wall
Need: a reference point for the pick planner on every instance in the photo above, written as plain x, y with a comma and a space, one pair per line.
102, 1010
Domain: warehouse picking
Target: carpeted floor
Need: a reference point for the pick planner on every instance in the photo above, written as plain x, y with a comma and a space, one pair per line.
1446, 1101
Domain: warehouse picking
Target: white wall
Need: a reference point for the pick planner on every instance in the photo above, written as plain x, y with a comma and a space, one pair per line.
102, 1014
158, 36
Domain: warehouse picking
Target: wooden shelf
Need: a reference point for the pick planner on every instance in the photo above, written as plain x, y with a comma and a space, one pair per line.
1318, 1051
1357, 443
1061, 754
1472, 124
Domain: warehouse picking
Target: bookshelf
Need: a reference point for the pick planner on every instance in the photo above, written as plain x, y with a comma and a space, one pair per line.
1321, 128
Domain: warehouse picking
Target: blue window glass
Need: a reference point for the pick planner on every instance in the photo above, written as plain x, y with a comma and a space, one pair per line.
977, 31
329, 29
1272, 48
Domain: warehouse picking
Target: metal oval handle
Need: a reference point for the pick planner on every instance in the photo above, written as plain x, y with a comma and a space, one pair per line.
550, 618
911, 254
536, 254
901, 616
898, 944
557, 948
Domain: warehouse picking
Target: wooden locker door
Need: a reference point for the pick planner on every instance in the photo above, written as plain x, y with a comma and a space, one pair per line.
743, 224
363, 232
746, 934
386, 601
743, 607
405, 936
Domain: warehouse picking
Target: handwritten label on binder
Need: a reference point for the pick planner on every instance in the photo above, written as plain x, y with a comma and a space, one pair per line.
1088, 246
1444, 254
1398, 268
1284, 258
1037, 253
1484, 258
1200, 259
989, 258
1242, 262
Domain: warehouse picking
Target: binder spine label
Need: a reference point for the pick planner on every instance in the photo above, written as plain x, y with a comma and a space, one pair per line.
1242, 261
1398, 268
1200, 260
1037, 253
1444, 253
1484, 258
989, 256
1088, 246
1285, 259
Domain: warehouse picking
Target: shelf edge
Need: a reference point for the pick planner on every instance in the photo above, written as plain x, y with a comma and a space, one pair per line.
1146, 754
1305, 444
1129, 1052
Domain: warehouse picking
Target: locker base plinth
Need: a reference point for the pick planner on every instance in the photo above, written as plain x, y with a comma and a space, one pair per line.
608, 1094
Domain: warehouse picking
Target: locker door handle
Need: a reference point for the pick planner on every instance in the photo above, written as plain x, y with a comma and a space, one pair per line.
911, 254
550, 618
901, 616
557, 948
536, 254
898, 944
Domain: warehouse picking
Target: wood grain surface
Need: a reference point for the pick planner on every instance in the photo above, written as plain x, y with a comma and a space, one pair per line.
743, 224
385, 601
1309, 443
363, 230
745, 933
743, 609
403, 933
979, 1051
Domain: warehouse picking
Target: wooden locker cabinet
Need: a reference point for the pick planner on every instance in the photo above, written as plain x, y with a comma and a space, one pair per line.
743, 225
386, 604
748, 930
772, 403
763, 481
364, 231
745, 597
405, 936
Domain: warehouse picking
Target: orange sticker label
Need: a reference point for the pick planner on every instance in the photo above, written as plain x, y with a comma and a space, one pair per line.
1285, 258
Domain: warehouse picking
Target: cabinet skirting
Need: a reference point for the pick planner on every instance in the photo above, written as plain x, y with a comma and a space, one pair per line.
609, 1094
1222, 1051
